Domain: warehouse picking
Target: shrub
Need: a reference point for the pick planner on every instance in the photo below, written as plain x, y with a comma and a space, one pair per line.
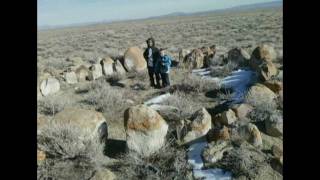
194, 84
168, 163
71, 153
224, 70
51, 105
263, 108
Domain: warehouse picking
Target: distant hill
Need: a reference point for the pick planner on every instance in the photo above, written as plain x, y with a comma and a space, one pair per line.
274, 4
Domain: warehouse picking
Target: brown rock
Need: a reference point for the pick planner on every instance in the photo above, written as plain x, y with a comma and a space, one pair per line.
82, 73
134, 60
195, 59
216, 134
242, 110
274, 85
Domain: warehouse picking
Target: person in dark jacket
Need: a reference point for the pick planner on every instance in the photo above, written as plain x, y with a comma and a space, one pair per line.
151, 55
164, 65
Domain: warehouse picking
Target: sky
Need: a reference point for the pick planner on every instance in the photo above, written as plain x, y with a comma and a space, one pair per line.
65, 12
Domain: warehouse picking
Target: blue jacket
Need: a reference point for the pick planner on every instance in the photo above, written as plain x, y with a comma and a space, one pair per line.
164, 64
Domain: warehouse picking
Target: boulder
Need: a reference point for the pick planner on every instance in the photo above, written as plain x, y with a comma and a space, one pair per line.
266, 71
251, 133
199, 126
71, 77
118, 67
228, 117
274, 125
103, 174
242, 110
216, 134
182, 54
145, 129
238, 56
277, 152
258, 92
209, 53
95, 71
134, 60
107, 66
274, 85
82, 73
195, 59
263, 53
49, 86
89, 120
214, 151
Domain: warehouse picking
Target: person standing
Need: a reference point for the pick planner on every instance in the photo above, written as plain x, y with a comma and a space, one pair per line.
151, 55
164, 65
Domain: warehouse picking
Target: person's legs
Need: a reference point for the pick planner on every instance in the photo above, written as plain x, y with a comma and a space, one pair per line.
151, 73
164, 80
157, 79
167, 79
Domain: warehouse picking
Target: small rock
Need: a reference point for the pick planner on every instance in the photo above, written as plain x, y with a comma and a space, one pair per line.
107, 66
71, 77
199, 126
242, 110
216, 134
82, 73
49, 86
41, 156
228, 117
251, 133
214, 151
103, 174
274, 125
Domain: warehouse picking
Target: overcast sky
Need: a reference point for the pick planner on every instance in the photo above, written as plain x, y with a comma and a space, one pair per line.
64, 12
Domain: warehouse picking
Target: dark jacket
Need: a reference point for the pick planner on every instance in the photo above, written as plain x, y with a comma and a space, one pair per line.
155, 54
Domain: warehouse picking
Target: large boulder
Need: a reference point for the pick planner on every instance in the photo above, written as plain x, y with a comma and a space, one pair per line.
118, 67
95, 72
199, 126
82, 73
107, 66
88, 120
261, 61
49, 86
70, 77
251, 133
258, 92
194, 60
274, 125
134, 60
208, 53
145, 129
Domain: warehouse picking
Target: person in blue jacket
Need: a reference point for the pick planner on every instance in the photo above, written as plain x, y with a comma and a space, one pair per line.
163, 66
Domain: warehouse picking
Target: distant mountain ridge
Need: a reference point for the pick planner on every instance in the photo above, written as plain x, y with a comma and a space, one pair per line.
273, 4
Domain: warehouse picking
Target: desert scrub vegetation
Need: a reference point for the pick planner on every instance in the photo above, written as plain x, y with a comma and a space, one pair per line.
106, 99
167, 163
51, 105
194, 84
184, 102
71, 153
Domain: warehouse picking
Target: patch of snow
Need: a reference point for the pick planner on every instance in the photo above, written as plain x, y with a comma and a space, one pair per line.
158, 99
195, 159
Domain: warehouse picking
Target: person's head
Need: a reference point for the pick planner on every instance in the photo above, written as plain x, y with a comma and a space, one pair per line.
150, 42
162, 52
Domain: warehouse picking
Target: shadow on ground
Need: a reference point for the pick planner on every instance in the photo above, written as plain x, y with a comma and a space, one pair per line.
114, 148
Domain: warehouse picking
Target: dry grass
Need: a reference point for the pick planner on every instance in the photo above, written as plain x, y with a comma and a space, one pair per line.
194, 84
51, 105
71, 152
167, 163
